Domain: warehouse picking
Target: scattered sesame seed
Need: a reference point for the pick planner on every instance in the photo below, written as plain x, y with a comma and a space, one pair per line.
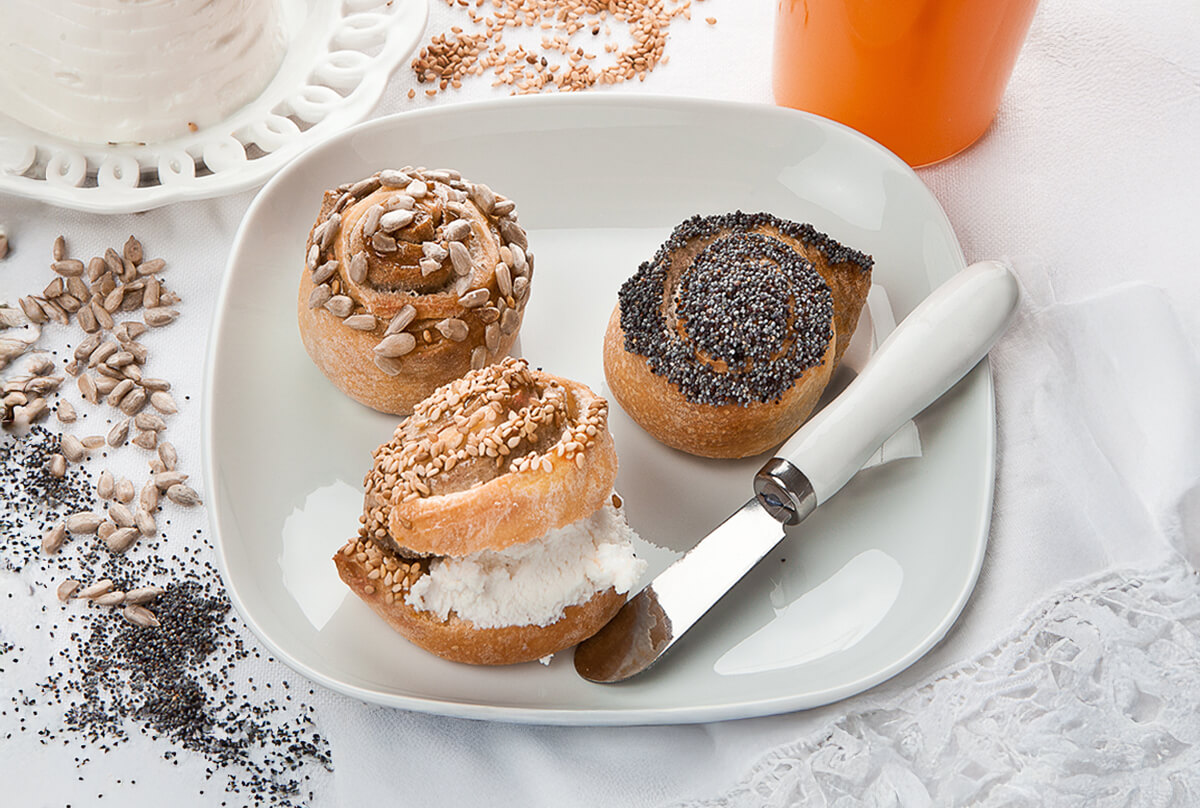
557, 61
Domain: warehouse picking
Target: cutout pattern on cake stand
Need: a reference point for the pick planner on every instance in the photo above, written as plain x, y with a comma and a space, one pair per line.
339, 57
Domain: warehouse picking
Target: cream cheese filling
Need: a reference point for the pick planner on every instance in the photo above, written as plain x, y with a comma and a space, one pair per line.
533, 583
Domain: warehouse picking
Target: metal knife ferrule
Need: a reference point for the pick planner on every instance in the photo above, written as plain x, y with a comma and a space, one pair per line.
784, 491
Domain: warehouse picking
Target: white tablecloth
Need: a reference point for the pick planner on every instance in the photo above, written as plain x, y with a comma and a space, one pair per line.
1069, 678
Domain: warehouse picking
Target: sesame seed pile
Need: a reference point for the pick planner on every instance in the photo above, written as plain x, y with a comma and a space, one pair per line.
750, 314
138, 634
571, 44
467, 431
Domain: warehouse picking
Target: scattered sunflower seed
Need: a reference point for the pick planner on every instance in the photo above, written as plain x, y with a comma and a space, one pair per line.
69, 267
148, 499
159, 316
54, 539
113, 598
143, 594
119, 391
144, 522
72, 448
165, 479
103, 317
65, 412
184, 495
124, 490
120, 515
149, 421
119, 433
162, 401
95, 590
96, 267
106, 485
83, 522
67, 589
122, 539
168, 455
132, 403
140, 616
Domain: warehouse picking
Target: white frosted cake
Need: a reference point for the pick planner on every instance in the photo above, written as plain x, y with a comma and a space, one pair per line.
119, 71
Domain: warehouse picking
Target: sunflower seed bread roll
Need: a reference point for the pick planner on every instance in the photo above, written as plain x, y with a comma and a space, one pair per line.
412, 277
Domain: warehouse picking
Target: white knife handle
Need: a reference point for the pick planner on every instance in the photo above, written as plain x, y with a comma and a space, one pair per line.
934, 347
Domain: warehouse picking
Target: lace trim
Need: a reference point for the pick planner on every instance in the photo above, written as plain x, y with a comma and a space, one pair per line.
1094, 703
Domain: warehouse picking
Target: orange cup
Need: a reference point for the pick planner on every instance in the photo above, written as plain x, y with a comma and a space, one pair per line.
922, 77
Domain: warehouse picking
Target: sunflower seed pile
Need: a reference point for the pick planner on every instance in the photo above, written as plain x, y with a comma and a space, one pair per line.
145, 638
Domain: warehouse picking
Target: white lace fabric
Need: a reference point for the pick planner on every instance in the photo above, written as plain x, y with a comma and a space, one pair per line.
1092, 703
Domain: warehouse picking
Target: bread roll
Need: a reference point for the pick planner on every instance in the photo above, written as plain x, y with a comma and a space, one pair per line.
411, 279
507, 465
722, 344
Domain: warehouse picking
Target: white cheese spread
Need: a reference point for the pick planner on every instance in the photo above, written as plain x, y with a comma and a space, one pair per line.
533, 583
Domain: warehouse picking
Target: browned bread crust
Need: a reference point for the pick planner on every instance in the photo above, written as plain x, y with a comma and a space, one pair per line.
707, 430
390, 316
442, 486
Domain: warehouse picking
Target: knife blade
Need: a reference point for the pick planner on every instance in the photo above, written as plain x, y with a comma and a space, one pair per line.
934, 347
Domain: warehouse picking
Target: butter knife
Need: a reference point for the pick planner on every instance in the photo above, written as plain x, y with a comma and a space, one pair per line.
934, 347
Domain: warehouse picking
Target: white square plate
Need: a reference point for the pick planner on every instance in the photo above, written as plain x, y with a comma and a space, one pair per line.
861, 590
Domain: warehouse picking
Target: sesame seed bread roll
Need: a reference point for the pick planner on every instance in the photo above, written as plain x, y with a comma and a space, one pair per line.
411, 278
496, 458
723, 343
490, 531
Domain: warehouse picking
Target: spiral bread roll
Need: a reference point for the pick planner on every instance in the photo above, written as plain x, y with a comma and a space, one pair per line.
722, 344
490, 532
412, 278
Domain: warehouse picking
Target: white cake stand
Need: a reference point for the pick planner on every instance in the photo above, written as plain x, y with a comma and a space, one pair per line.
340, 54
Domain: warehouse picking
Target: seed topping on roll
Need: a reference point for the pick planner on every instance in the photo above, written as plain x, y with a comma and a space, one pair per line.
422, 233
493, 421
750, 315
722, 344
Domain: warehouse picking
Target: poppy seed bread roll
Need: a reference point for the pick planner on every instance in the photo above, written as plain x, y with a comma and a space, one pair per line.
722, 344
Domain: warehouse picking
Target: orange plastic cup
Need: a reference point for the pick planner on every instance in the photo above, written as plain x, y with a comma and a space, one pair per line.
922, 77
